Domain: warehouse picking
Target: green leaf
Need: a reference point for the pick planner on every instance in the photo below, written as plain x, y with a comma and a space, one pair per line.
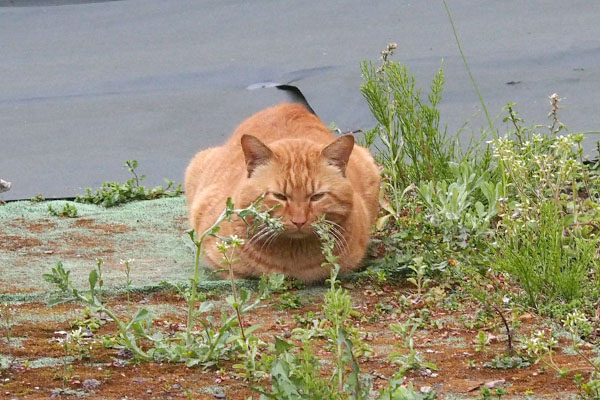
281, 346
56, 301
93, 279
142, 315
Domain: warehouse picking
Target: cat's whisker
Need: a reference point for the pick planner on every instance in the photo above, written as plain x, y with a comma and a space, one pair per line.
339, 239
270, 238
335, 224
260, 235
338, 232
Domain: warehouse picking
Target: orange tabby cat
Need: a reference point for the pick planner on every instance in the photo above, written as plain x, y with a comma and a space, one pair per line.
288, 154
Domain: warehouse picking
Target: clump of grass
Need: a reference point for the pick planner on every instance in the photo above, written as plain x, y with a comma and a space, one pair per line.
546, 237
412, 147
114, 193
68, 210
37, 198
551, 261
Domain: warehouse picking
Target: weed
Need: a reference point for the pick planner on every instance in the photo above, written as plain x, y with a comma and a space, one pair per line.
277, 283
298, 376
61, 278
419, 279
114, 193
414, 147
462, 206
215, 342
68, 210
38, 198
88, 320
400, 390
410, 358
481, 341
271, 283
487, 393
540, 347
289, 301
509, 362
553, 263
128, 282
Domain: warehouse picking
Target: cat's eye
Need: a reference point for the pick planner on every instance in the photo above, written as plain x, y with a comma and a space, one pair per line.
317, 196
279, 196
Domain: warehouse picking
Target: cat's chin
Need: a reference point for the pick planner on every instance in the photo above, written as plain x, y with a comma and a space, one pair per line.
297, 234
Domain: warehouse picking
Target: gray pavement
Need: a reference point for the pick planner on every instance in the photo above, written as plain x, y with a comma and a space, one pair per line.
86, 85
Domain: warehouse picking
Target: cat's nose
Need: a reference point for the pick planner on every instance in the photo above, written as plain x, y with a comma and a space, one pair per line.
299, 223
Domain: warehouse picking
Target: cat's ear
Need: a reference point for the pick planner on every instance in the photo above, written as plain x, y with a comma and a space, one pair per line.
256, 152
338, 152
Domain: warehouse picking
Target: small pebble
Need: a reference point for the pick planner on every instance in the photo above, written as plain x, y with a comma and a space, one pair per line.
91, 384
495, 384
220, 396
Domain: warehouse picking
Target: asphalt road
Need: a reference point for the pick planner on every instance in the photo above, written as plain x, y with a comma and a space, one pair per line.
85, 86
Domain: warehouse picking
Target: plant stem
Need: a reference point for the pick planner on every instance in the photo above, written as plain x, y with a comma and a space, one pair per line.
508, 333
193, 296
131, 345
236, 305
491, 124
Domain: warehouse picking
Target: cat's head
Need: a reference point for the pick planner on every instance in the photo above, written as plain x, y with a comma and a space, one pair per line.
305, 180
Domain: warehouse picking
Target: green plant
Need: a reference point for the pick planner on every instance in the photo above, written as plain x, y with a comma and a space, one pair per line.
414, 147
67, 368
337, 306
552, 262
127, 264
464, 58
578, 325
213, 343
419, 279
509, 362
399, 390
114, 193
298, 376
540, 347
481, 341
61, 278
486, 393
289, 301
409, 358
68, 210
37, 198
462, 206
589, 390
88, 320
272, 283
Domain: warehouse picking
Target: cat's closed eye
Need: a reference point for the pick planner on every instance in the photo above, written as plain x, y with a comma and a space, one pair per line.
317, 196
279, 196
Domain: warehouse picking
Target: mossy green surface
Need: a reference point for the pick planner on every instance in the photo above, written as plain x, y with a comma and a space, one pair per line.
150, 233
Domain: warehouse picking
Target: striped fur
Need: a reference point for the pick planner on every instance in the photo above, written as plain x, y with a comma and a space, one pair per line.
286, 150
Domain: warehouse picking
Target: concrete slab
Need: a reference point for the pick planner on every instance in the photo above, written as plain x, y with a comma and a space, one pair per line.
87, 86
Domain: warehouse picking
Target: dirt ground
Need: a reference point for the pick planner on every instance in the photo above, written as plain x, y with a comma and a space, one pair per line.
36, 365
